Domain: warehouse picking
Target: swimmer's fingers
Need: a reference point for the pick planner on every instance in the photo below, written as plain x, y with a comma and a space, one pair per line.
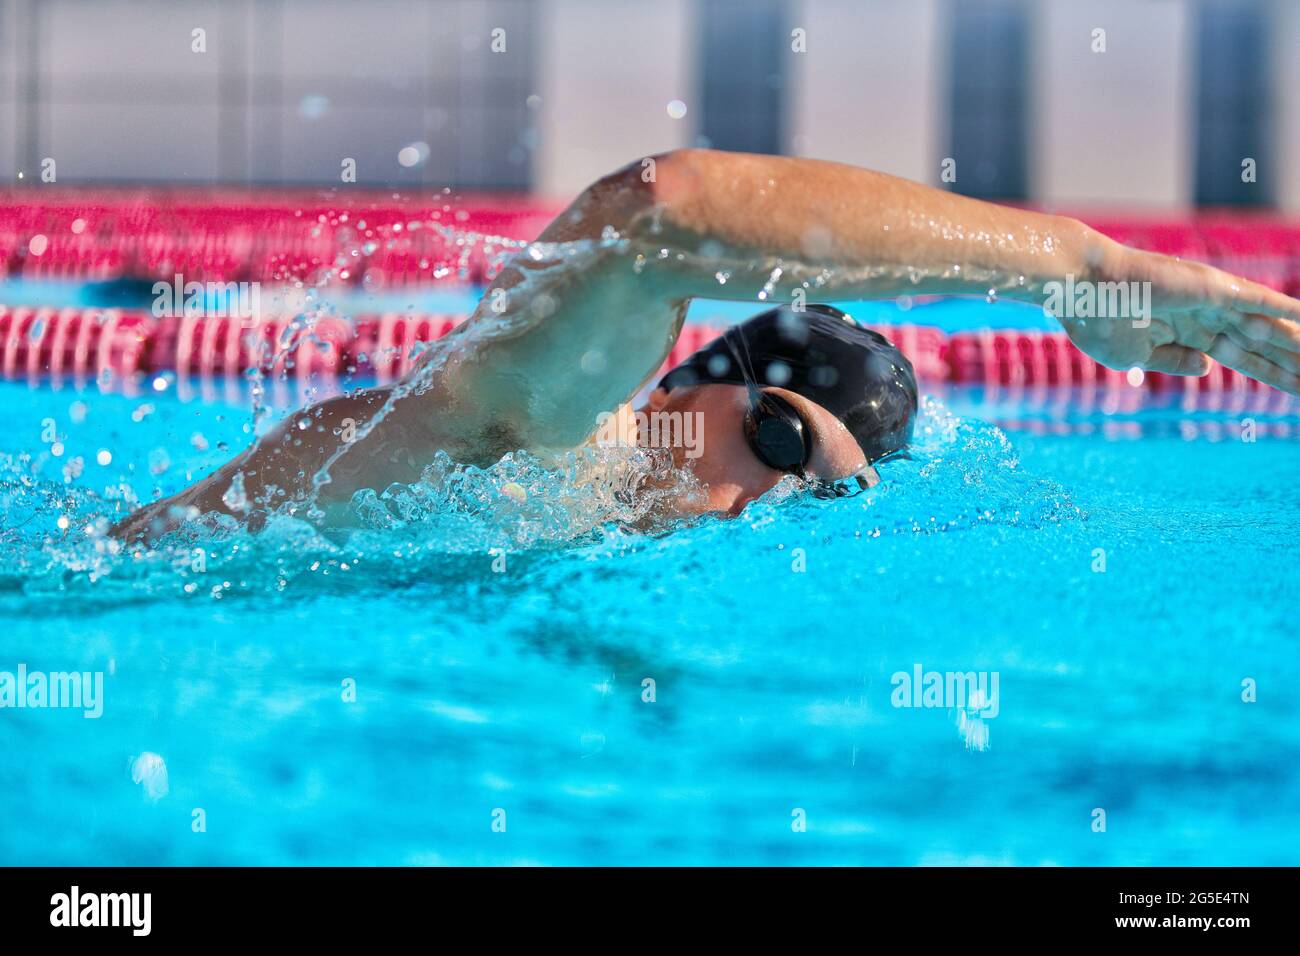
1251, 364
1265, 303
1276, 354
1178, 360
1272, 330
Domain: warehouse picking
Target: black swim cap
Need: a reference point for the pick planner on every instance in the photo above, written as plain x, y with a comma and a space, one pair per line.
821, 353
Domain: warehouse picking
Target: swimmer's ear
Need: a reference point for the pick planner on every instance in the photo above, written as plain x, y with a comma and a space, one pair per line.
658, 399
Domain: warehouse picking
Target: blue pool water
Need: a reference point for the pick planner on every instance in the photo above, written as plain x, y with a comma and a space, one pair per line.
519, 696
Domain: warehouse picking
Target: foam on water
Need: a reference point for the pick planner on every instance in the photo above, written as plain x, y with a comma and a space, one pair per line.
963, 473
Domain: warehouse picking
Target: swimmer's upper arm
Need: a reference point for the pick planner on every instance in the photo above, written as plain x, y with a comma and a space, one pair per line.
581, 318
567, 330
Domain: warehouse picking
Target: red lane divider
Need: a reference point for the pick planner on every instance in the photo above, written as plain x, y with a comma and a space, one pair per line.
223, 235
53, 343
347, 237
113, 345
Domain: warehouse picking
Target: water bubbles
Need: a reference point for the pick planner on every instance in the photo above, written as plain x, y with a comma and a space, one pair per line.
198, 441
413, 155
593, 362
150, 772
543, 306
823, 376
77, 412
777, 373
991, 297
162, 382
78, 226
313, 106
235, 498
1135, 377
676, 109
972, 728
515, 492
104, 456
37, 245
769, 287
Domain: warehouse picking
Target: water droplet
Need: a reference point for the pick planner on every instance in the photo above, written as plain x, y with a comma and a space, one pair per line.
313, 106
150, 772
234, 498
413, 155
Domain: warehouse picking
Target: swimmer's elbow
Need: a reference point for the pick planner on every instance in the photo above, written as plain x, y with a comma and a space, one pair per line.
625, 198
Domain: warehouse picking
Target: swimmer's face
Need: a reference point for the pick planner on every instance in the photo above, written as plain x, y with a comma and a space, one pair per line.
721, 458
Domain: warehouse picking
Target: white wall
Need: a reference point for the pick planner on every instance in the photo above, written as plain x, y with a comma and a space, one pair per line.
870, 88
8, 92
124, 95
608, 69
1113, 127
121, 88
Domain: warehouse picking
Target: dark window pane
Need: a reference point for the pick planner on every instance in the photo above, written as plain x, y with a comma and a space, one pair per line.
743, 46
988, 97
1232, 102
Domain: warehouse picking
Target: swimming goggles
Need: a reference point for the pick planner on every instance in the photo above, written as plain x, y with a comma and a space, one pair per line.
782, 440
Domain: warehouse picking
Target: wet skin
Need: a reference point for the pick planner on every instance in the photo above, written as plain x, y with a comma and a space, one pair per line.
579, 321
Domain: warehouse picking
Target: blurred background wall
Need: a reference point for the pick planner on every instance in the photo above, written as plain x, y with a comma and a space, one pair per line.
1061, 102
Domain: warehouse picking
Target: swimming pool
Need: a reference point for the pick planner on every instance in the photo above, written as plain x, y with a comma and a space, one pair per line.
504, 716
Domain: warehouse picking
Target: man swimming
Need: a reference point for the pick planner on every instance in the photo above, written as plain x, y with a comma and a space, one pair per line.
579, 320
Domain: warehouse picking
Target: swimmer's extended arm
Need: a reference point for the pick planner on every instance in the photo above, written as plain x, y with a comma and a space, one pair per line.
702, 223
850, 233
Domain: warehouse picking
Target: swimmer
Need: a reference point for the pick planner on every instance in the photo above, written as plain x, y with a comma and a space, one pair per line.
576, 324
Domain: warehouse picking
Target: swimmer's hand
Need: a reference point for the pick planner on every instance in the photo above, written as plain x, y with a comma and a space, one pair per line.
1193, 313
